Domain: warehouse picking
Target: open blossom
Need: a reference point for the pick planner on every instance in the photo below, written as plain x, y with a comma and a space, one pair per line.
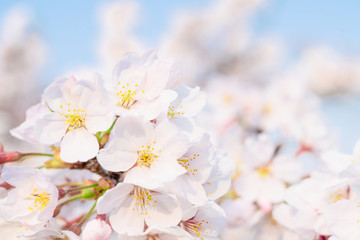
307, 202
198, 165
204, 222
33, 200
264, 177
133, 208
326, 203
188, 103
139, 85
72, 112
149, 154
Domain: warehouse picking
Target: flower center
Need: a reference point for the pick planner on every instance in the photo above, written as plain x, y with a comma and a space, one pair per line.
127, 95
263, 171
74, 118
336, 196
146, 156
228, 98
172, 113
143, 199
41, 200
185, 161
267, 109
196, 228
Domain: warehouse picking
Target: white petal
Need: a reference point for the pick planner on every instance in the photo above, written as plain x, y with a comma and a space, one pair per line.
166, 211
99, 122
113, 197
287, 168
126, 220
140, 176
78, 145
118, 155
50, 129
165, 169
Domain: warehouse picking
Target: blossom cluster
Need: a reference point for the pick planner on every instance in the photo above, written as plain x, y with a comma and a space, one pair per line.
126, 148
325, 205
277, 135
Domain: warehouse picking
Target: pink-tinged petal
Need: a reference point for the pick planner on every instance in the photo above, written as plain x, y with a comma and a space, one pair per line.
134, 127
113, 197
51, 128
165, 212
271, 190
26, 131
157, 77
78, 145
172, 143
12, 207
302, 222
258, 151
96, 123
128, 219
150, 109
96, 230
219, 180
125, 62
164, 169
287, 168
192, 100
119, 155
185, 187
343, 219
248, 186
140, 176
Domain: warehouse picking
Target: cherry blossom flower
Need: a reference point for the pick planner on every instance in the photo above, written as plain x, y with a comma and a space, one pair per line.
75, 111
266, 174
188, 187
189, 102
149, 154
33, 200
131, 208
139, 85
204, 222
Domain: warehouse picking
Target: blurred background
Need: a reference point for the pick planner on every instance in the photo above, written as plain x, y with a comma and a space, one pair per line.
314, 42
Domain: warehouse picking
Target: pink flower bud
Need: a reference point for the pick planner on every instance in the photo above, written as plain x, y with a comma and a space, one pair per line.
96, 229
10, 157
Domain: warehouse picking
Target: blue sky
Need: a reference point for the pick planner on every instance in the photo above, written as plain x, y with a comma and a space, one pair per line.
70, 27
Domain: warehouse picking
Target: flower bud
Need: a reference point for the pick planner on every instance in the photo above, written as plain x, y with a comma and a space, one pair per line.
104, 184
55, 163
96, 229
10, 156
62, 193
88, 193
104, 139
